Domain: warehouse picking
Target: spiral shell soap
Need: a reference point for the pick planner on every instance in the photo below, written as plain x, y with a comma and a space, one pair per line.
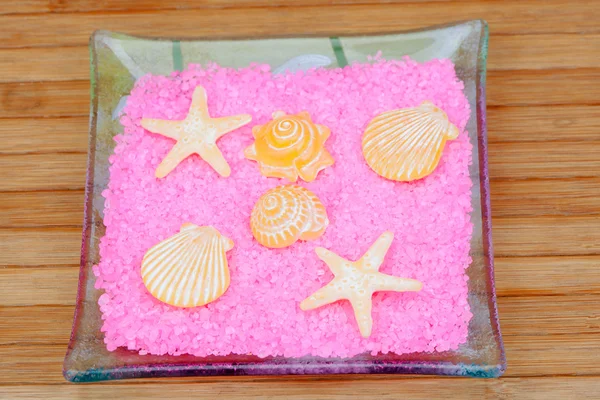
407, 144
290, 146
188, 269
286, 214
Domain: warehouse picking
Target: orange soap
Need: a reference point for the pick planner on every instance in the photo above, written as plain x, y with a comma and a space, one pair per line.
407, 144
286, 214
290, 146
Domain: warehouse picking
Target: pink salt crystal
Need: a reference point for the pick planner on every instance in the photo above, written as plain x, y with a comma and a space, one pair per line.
103, 299
259, 313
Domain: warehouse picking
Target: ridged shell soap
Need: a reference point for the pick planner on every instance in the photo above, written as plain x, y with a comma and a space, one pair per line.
286, 214
407, 144
188, 269
290, 146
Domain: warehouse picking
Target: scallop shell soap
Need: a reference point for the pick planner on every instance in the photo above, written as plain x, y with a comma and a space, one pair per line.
407, 144
188, 269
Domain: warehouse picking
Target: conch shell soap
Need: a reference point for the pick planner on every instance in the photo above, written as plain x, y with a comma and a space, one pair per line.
407, 144
286, 214
290, 146
188, 269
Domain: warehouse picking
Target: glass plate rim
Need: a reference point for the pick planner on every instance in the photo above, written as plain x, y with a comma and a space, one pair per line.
413, 367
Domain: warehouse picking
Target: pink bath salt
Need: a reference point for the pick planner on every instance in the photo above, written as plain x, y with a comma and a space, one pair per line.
259, 313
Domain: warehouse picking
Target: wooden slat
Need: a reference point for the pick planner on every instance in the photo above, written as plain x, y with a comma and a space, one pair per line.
544, 160
48, 370
39, 286
526, 16
54, 6
44, 99
551, 315
539, 160
552, 355
523, 198
514, 236
522, 276
312, 388
71, 98
35, 325
47, 246
45, 64
44, 135
507, 161
515, 277
43, 171
263, 379
507, 52
560, 322
518, 52
543, 123
505, 124
523, 236
43, 208
527, 355
526, 87
545, 197
41, 363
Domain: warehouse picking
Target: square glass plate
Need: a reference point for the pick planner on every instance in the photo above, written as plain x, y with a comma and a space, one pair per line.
117, 60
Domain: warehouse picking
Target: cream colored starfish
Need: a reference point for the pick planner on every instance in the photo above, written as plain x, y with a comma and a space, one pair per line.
356, 281
196, 134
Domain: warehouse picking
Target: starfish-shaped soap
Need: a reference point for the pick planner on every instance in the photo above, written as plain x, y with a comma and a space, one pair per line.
196, 134
356, 281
